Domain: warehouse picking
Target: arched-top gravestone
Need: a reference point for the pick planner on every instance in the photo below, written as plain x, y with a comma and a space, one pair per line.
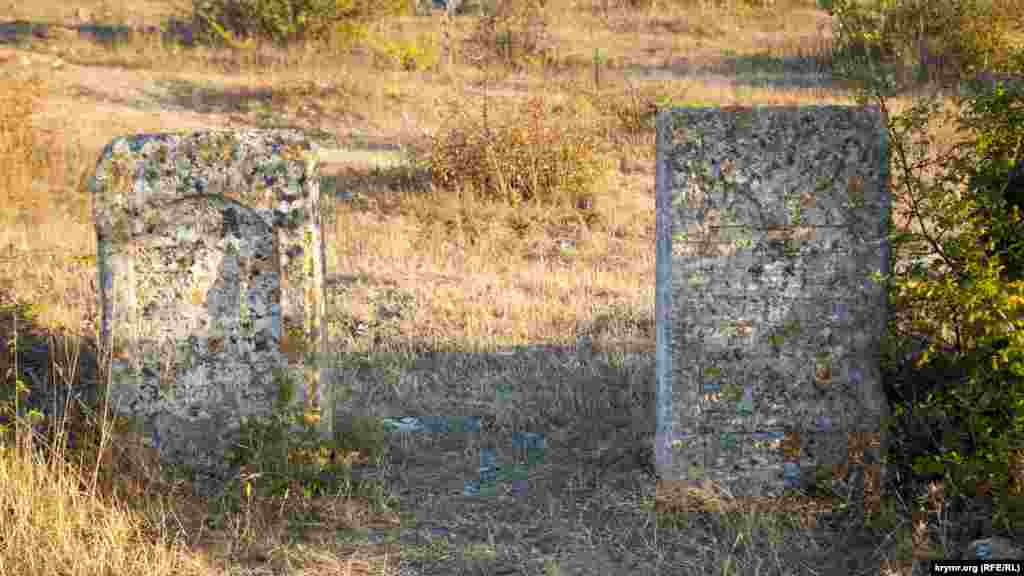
211, 267
772, 229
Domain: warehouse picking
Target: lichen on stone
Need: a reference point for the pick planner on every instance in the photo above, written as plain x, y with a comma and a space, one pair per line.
210, 251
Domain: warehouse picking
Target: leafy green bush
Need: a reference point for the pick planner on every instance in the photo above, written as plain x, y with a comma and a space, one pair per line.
979, 413
275, 459
998, 158
988, 407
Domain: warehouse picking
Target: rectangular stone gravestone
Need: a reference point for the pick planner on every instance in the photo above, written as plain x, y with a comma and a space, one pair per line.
211, 271
771, 227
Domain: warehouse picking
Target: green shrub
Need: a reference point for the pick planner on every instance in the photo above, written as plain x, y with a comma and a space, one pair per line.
1001, 121
276, 459
987, 408
269, 449
364, 435
979, 414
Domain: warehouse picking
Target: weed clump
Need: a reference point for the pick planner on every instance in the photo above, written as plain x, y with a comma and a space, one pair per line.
274, 458
419, 54
239, 22
526, 158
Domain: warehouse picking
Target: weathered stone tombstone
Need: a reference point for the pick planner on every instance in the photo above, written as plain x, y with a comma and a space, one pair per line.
211, 265
771, 227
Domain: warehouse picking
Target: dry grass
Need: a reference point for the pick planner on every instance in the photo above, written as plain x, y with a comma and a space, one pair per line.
439, 290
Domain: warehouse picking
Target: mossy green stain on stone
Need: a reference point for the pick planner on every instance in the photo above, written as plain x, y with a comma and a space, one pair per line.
745, 405
697, 279
728, 441
744, 118
787, 248
695, 470
732, 391
795, 210
743, 240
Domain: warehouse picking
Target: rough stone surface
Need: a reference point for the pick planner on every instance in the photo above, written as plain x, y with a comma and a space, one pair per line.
770, 224
211, 267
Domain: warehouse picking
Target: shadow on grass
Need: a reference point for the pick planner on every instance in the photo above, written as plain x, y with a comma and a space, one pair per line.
45, 361
19, 32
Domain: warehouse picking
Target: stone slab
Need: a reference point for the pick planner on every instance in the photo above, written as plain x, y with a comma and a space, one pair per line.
772, 228
210, 253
